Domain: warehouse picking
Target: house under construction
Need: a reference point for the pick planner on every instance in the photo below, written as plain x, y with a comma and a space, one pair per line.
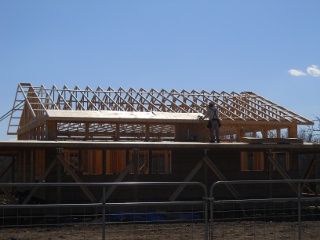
108, 135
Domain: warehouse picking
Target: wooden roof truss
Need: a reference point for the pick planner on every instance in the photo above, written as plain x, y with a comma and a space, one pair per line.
33, 102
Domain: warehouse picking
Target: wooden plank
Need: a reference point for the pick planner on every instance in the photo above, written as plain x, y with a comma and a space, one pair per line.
76, 178
6, 170
187, 179
6, 192
32, 192
307, 175
282, 172
252, 140
221, 177
310, 169
235, 146
119, 179
292, 131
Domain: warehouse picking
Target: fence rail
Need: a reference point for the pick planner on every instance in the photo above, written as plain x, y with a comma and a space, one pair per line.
210, 215
107, 220
293, 217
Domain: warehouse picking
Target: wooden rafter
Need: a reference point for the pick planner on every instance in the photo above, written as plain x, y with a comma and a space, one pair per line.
156, 95
98, 100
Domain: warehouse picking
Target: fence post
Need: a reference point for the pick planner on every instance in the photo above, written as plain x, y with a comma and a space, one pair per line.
206, 219
103, 212
299, 210
211, 216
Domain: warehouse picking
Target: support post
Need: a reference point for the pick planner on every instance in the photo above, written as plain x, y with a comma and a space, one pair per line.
292, 131
51, 132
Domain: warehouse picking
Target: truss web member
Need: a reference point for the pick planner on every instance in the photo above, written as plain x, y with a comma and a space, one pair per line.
214, 122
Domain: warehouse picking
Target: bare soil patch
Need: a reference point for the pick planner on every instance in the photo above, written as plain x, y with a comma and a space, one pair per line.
174, 231
121, 231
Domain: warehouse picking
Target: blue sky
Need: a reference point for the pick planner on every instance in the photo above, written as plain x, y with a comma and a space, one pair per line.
270, 47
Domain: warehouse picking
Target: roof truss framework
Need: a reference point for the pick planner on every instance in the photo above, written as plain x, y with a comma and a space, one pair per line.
245, 108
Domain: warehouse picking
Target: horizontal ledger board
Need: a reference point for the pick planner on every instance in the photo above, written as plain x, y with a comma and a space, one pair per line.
20, 144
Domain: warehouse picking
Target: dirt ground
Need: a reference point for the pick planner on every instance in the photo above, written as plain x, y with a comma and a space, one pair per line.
122, 231
174, 231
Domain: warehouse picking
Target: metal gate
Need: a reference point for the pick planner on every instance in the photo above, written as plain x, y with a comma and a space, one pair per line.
107, 220
295, 216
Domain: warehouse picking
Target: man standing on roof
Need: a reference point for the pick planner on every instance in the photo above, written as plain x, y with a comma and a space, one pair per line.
213, 116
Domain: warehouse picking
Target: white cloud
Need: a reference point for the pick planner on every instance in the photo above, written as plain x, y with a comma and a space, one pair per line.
296, 73
313, 70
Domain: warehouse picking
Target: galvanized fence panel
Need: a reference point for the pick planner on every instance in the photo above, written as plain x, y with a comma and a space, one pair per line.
252, 217
106, 220
291, 217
